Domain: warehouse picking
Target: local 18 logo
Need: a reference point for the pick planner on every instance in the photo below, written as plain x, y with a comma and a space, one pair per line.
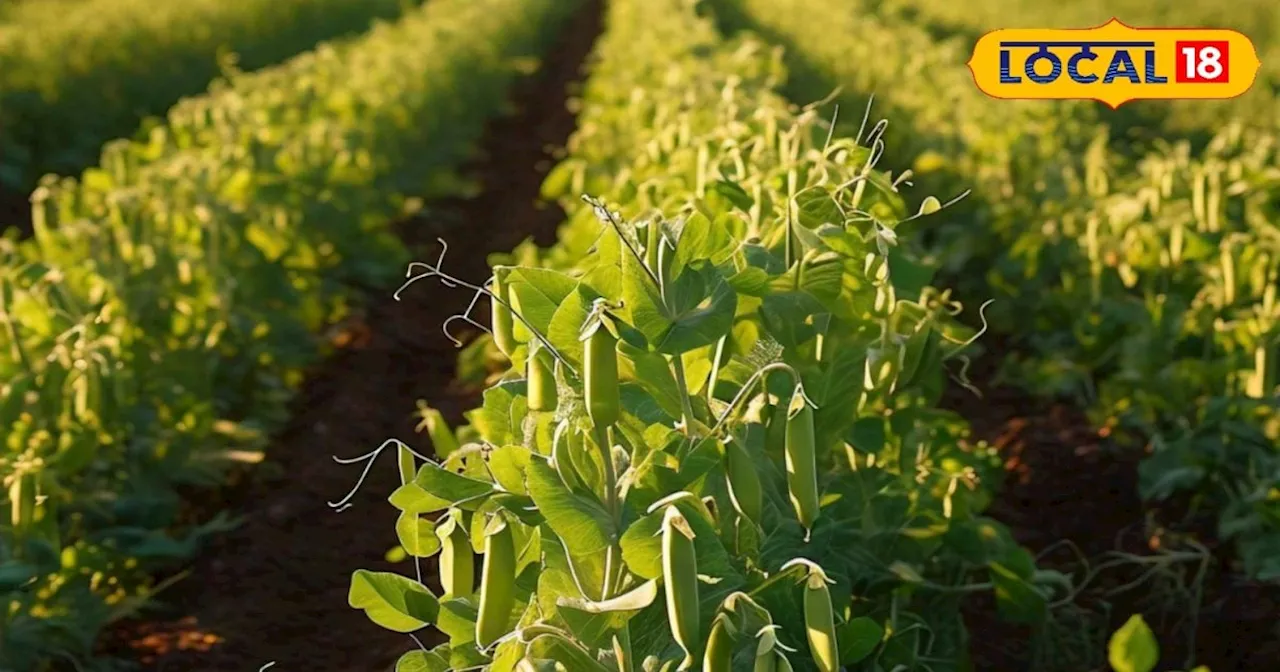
1114, 63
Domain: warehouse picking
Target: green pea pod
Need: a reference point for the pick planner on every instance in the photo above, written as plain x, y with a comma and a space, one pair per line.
457, 559
768, 656
680, 580
801, 461
22, 501
503, 322
600, 376
497, 582
819, 616
542, 392
819, 623
719, 654
744, 482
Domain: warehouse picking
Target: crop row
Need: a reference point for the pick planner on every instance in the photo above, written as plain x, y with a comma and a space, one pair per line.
1147, 269
715, 440
153, 327
75, 75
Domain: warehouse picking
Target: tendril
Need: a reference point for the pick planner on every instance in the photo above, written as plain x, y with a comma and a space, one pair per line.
368, 458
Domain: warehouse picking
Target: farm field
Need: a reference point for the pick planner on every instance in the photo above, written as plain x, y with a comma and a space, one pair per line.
613, 335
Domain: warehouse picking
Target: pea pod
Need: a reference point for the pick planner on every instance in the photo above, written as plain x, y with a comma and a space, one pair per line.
497, 582
819, 617
22, 500
680, 580
744, 481
503, 322
769, 656
719, 655
802, 461
600, 375
541, 378
457, 559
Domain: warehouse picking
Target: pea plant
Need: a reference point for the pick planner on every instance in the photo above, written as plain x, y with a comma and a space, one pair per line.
706, 453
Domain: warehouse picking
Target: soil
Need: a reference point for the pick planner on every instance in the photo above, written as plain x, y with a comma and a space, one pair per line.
15, 212
275, 590
1066, 481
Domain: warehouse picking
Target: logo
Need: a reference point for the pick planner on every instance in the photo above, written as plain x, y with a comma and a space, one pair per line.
1114, 64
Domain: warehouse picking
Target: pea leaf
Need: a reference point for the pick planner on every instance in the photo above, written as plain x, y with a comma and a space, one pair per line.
566, 323
450, 486
538, 293
392, 601
1133, 648
582, 523
422, 661
417, 535
857, 638
702, 305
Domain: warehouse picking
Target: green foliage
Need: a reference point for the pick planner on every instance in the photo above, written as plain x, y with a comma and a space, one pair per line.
1139, 276
75, 75
736, 254
153, 328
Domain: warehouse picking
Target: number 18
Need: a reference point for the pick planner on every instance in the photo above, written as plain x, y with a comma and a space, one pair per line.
1202, 62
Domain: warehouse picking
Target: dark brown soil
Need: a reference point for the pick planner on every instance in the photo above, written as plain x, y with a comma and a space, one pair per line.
15, 212
1066, 481
275, 590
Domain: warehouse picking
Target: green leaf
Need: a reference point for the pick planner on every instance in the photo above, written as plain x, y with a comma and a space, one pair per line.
1133, 648
392, 601
817, 207
858, 638
538, 292
457, 620
643, 300
734, 194
422, 661
699, 317
1016, 599
653, 372
417, 535
411, 498
450, 486
582, 523
508, 464
567, 322
700, 239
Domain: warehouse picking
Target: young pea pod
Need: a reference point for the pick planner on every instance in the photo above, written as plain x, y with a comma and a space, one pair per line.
744, 482
680, 580
497, 582
819, 617
600, 374
22, 501
542, 390
769, 656
719, 654
503, 322
457, 560
801, 461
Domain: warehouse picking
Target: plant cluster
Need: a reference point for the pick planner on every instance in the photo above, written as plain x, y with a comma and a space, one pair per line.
715, 443
74, 75
153, 328
1136, 275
